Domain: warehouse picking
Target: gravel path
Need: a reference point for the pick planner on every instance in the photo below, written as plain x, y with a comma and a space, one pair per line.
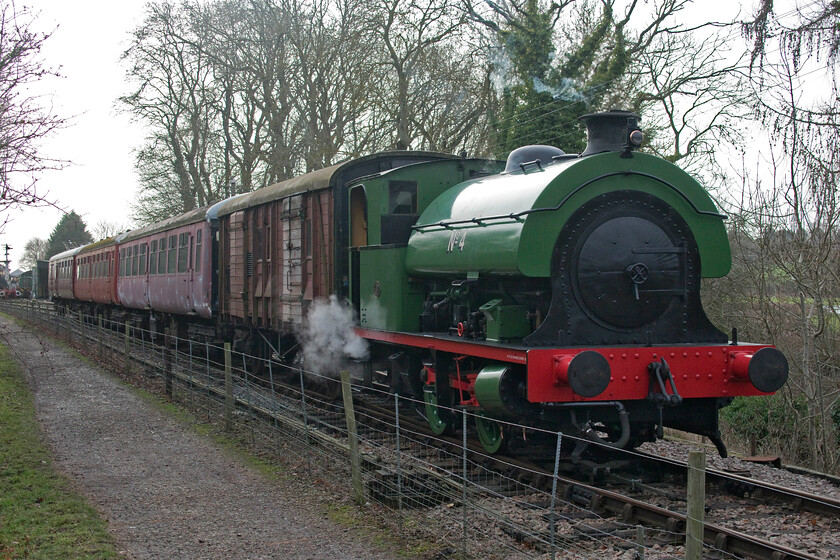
165, 491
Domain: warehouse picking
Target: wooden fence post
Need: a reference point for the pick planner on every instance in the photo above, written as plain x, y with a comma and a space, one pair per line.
695, 516
352, 439
228, 389
99, 335
127, 348
640, 542
167, 363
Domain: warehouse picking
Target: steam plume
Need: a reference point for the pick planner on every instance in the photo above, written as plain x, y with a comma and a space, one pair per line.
328, 339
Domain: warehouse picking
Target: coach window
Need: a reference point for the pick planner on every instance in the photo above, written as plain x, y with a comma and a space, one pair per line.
134, 261
153, 257
162, 256
197, 266
171, 256
183, 253
142, 259
258, 242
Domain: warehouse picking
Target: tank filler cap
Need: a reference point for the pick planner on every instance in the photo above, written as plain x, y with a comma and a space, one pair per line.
538, 155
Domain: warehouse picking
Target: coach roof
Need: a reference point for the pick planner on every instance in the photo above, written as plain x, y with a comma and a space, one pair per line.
107, 242
188, 218
322, 179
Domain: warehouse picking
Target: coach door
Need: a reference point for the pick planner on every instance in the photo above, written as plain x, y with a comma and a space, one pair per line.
191, 284
183, 283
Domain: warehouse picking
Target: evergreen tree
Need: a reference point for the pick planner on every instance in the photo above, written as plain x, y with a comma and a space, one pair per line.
526, 115
550, 91
70, 232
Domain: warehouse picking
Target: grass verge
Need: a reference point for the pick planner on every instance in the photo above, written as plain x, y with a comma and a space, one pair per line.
41, 516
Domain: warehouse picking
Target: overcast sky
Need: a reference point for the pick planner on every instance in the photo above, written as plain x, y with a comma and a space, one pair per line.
89, 37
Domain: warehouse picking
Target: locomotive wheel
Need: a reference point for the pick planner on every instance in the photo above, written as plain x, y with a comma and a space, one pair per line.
438, 426
490, 434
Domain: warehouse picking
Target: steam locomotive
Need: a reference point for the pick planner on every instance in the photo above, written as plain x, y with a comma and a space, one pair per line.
554, 290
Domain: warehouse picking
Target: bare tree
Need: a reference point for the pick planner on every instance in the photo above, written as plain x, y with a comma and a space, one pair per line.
335, 69
231, 31
692, 89
415, 33
266, 57
35, 250
24, 120
174, 94
106, 228
787, 224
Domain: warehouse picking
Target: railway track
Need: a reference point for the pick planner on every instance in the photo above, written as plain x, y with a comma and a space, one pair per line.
631, 509
430, 470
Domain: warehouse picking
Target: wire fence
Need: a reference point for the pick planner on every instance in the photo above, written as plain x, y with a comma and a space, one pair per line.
433, 491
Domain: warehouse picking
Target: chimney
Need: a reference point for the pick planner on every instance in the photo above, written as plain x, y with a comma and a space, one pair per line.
613, 131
